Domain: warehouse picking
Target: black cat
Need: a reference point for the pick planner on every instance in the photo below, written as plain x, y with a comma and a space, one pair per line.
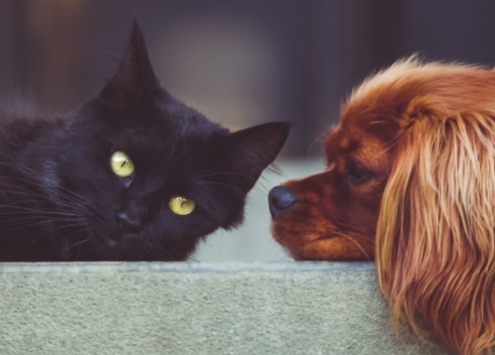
132, 175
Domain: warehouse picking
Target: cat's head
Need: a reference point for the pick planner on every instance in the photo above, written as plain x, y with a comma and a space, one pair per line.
150, 175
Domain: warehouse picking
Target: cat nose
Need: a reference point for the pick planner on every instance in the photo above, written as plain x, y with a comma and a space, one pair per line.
280, 199
129, 222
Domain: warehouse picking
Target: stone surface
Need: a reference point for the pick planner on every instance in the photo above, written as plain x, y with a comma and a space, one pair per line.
196, 308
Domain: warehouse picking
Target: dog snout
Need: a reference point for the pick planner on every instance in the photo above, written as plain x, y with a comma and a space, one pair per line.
280, 199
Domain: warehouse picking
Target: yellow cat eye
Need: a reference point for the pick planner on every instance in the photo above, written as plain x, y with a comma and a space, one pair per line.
121, 164
181, 205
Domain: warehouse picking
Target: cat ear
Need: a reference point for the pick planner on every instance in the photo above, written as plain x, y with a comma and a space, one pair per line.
135, 76
250, 151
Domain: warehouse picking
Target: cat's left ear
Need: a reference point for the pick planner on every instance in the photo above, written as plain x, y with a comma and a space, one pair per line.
250, 151
135, 76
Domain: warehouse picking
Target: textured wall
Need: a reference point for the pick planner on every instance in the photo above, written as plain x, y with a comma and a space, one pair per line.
196, 308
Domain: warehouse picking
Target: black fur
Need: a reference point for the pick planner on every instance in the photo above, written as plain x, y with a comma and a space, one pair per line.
59, 197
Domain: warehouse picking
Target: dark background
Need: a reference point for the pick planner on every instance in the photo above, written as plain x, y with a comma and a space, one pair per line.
239, 62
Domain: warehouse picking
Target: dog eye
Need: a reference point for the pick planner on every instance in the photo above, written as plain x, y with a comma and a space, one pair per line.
358, 174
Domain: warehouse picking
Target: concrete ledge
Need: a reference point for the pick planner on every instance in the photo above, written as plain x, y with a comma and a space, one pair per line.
196, 308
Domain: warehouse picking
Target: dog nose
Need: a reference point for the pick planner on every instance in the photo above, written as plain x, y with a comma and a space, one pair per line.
129, 222
280, 199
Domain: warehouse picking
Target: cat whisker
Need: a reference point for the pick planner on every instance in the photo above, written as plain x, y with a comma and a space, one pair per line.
40, 218
19, 203
76, 230
27, 226
95, 213
152, 250
29, 210
38, 182
95, 217
27, 192
164, 250
23, 191
76, 244
77, 196
43, 218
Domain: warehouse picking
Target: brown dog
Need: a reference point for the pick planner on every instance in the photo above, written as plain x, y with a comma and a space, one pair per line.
411, 183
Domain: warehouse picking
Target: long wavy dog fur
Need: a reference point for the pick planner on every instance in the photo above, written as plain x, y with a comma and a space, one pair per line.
421, 137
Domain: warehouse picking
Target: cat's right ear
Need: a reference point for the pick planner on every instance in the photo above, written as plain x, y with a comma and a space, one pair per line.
135, 77
250, 151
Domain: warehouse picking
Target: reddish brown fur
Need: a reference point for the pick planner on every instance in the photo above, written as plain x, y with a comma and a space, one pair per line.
426, 212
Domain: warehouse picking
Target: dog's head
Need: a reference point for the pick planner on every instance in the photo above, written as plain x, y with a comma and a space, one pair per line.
410, 182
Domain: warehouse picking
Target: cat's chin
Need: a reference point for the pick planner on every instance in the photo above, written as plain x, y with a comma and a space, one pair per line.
128, 241
130, 247
114, 250
112, 243
121, 242
114, 246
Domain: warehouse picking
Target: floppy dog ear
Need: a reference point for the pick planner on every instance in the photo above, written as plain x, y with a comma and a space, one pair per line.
435, 242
